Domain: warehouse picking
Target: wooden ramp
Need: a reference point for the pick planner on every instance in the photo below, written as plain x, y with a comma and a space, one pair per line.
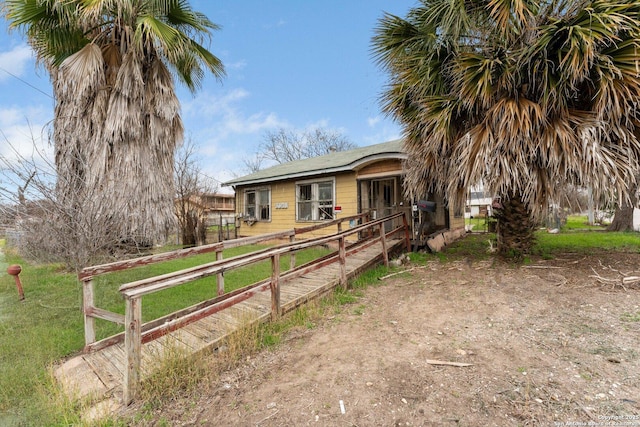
98, 375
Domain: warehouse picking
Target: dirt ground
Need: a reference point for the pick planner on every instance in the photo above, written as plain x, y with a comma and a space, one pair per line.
549, 343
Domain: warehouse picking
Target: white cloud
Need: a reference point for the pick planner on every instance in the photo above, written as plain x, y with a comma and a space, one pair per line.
373, 121
221, 118
15, 61
253, 124
23, 132
234, 136
206, 105
238, 65
224, 132
318, 124
23, 146
323, 124
280, 23
389, 132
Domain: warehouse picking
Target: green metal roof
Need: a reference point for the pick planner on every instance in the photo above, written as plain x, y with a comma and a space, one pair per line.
335, 162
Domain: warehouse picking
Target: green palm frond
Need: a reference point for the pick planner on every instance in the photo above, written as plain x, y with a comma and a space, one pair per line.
180, 15
208, 59
59, 28
394, 36
49, 25
448, 19
117, 121
150, 29
617, 74
511, 15
477, 79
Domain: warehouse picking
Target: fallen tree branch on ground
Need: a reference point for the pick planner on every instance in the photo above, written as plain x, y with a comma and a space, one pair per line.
396, 273
445, 363
623, 280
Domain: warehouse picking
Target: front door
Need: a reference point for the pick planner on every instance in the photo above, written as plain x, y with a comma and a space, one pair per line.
383, 198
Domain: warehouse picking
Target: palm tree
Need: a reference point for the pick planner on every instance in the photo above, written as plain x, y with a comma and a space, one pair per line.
117, 117
525, 96
623, 216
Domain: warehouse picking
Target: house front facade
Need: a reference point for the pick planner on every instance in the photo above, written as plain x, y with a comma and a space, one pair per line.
342, 184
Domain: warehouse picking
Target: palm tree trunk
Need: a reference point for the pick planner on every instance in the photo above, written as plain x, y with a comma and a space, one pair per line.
623, 218
115, 146
515, 227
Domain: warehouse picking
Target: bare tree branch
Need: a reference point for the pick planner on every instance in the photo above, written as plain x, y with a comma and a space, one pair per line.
285, 145
41, 226
192, 187
253, 164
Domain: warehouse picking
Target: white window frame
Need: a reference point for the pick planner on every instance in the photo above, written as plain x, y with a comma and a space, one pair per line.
316, 204
258, 205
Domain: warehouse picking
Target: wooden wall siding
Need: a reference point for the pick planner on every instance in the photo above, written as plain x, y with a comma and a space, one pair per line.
282, 219
386, 166
347, 194
455, 223
440, 211
284, 192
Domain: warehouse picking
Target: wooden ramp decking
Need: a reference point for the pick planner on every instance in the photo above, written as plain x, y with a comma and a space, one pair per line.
98, 375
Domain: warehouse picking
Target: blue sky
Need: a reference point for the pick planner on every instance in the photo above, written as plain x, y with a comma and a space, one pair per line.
297, 64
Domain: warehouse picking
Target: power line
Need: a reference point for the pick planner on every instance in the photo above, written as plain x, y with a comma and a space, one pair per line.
26, 82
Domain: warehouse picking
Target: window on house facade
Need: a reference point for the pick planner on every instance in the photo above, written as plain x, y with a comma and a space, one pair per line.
257, 204
314, 201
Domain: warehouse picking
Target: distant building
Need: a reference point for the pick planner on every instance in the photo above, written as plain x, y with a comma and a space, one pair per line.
219, 206
478, 203
214, 207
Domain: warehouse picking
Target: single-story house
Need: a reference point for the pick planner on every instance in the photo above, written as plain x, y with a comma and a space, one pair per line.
340, 184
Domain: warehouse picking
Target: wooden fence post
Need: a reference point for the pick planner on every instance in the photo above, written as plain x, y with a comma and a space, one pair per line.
132, 347
383, 240
220, 276
343, 262
292, 257
87, 307
407, 234
275, 287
